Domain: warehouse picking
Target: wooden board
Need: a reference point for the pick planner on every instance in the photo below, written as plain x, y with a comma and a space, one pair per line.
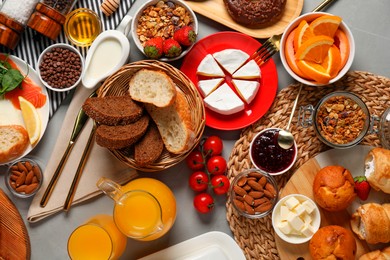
301, 182
14, 239
216, 10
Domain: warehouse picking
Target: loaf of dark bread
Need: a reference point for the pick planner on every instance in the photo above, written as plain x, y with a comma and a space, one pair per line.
113, 110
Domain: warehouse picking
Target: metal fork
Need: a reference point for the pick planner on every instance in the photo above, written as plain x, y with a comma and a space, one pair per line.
272, 45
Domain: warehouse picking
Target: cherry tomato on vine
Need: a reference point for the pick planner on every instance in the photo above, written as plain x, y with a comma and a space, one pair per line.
220, 184
203, 202
216, 165
195, 160
198, 181
213, 146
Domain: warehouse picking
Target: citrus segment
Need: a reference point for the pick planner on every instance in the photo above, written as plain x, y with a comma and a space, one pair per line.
332, 62
290, 54
315, 49
314, 71
302, 34
342, 42
31, 120
325, 25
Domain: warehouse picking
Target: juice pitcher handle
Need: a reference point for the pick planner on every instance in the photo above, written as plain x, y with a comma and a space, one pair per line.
125, 25
110, 188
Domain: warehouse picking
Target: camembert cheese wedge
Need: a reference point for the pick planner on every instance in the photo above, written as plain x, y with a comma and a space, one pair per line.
231, 59
250, 70
209, 67
224, 101
247, 89
209, 85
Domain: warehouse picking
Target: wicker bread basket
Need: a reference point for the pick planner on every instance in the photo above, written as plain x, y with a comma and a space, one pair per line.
118, 85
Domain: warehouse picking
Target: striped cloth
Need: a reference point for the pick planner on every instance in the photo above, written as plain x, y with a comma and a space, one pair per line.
32, 44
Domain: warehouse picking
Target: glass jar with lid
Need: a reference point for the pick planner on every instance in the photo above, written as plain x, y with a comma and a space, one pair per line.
14, 15
49, 16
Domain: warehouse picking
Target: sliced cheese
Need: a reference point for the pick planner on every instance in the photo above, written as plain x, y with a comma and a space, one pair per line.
250, 70
231, 59
247, 89
209, 67
209, 85
223, 100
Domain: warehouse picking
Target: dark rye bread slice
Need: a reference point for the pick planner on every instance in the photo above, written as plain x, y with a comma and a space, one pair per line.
149, 148
120, 136
113, 110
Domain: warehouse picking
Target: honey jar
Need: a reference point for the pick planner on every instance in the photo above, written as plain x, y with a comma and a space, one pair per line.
49, 16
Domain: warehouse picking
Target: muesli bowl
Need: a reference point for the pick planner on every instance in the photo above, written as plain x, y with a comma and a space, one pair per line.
148, 11
340, 119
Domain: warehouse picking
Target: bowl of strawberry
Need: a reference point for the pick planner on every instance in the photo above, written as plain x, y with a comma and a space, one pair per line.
208, 178
164, 30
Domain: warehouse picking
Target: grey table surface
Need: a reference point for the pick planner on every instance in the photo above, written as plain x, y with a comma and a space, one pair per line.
369, 22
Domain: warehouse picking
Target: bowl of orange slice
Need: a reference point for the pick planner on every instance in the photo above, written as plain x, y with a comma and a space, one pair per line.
317, 48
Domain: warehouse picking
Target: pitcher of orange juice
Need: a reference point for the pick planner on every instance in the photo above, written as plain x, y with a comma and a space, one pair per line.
145, 208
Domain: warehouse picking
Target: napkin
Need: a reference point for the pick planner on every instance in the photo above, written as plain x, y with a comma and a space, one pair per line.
100, 163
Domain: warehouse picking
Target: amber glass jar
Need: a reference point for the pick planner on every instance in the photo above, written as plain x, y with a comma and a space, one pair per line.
49, 16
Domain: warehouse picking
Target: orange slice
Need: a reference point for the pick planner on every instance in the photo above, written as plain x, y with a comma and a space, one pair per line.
302, 34
332, 62
315, 49
325, 25
341, 41
314, 71
290, 54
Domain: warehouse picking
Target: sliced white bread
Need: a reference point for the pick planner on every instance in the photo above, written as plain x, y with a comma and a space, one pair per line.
231, 59
224, 101
153, 87
174, 124
207, 86
209, 67
13, 142
249, 70
247, 89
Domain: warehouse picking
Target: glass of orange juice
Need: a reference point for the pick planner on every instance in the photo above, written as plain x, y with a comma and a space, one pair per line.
145, 208
99, 238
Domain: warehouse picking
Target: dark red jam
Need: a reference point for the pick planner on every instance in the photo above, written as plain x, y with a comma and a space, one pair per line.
268, 155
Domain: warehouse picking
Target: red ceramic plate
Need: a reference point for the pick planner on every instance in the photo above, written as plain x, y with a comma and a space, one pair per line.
268, 82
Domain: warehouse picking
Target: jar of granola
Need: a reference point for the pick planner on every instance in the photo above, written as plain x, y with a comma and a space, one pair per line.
341, 119
49, 16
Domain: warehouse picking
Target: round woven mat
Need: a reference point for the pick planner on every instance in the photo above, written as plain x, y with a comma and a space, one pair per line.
256, 237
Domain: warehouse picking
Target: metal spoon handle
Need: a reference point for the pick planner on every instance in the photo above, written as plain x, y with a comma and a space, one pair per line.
294, 107
322, 5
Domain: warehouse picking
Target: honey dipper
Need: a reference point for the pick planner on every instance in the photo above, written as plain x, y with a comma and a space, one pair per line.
109, 6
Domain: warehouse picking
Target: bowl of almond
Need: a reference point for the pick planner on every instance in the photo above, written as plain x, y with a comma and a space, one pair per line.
164, 29
24, 177
253, 193
317, 48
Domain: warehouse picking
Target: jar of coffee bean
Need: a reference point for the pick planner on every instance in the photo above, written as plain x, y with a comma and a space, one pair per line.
60, 67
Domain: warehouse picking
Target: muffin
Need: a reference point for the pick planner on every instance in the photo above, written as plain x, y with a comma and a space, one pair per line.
333, 188
255, 13
333, 242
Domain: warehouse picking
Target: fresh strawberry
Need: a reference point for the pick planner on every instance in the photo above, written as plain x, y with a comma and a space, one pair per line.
185, 35
153, 48
171, 48
362, 187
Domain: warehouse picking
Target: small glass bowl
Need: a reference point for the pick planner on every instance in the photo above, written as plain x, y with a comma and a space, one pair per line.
242, 181
291, 238
24, 187
50, 49
329, 104
271, 153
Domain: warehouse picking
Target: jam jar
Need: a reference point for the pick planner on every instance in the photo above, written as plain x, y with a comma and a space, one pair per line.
49, 16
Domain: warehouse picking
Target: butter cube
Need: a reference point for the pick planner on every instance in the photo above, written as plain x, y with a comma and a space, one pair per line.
291, 203
307, 218
309, 206
300, 209
295, 221
285, 227
283, 212
307, 230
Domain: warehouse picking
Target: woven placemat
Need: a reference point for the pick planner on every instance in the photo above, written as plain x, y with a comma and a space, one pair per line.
256, 237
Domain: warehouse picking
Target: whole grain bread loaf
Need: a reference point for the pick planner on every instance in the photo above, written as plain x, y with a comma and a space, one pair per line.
113, 110
152, 87
174, 124
149, 148
13, 142
121, 136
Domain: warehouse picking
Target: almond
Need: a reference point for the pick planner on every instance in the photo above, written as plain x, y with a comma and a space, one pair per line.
269, 194
21, 167
30, 188
238, 190
242, 181
21, 179
28, 165
37, 172
239, 204
258, 202
29, 177
249, 208
269, 187
257, 175
263, 207
256, 194
262, 181
249, 199
21, 188
254, 185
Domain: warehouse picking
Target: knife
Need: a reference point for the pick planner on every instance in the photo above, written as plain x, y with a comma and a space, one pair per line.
79, 123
